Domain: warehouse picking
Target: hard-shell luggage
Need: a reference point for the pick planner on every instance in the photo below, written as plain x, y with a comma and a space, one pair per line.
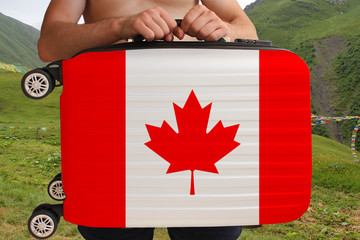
181, 134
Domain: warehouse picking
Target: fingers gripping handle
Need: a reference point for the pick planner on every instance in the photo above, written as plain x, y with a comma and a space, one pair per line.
140, 38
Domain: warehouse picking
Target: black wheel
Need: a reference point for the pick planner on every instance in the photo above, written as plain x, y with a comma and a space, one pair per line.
55, 189
37, 84
42, 223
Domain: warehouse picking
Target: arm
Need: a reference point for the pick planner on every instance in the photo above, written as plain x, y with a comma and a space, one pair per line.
61, 37
216, 19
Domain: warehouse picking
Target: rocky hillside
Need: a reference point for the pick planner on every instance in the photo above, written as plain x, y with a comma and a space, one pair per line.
325, 33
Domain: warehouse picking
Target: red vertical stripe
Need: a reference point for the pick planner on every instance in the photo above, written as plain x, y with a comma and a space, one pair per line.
93, 139
285, 137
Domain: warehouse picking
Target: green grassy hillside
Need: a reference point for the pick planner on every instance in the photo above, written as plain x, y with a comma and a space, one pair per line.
29, 160
335, 199
326, 35
288, 23
18, 43
18, 110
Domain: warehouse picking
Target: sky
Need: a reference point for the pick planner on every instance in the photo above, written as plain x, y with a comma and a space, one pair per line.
32, 12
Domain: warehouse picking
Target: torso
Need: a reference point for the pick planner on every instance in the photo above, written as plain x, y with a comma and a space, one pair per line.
97, 10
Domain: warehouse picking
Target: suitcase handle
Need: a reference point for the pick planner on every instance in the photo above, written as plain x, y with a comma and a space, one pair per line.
140, 38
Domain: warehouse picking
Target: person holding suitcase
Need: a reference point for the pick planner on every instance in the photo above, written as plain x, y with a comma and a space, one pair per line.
112, 21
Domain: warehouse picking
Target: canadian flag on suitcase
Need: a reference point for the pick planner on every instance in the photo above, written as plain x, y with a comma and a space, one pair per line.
185, 137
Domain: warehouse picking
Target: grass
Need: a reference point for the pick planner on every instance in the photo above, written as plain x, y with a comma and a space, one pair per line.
290, 23
334, 212
29, 159
18, 110
297, 25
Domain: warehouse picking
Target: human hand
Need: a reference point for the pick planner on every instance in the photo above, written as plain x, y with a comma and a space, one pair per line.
152, 24
202, 23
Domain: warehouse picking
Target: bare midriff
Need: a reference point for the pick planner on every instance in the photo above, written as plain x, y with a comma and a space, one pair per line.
97, 10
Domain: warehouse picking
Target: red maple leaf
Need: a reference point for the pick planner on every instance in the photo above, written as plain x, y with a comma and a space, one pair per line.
192, 148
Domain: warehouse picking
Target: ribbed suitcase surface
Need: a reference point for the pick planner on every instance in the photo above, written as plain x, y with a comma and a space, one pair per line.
164, 137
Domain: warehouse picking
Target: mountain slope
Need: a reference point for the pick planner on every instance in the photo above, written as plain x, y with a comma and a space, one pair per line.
289, 22
18, 43
325, 33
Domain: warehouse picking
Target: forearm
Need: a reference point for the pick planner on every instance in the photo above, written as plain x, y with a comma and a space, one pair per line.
241, 29
61, 40
237, 22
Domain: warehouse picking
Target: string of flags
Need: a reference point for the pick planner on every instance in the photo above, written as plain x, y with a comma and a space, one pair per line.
37, 128
353, 140
317, 120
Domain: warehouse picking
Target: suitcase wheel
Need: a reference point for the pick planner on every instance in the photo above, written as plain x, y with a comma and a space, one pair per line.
43, 223
55, 189
37, 84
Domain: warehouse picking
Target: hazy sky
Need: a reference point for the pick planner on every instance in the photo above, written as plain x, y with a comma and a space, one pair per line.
32, 11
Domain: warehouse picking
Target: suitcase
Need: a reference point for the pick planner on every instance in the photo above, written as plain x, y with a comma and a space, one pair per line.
180, 134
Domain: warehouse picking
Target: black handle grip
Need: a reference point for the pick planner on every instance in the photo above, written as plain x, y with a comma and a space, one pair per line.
140, 38
178, 22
